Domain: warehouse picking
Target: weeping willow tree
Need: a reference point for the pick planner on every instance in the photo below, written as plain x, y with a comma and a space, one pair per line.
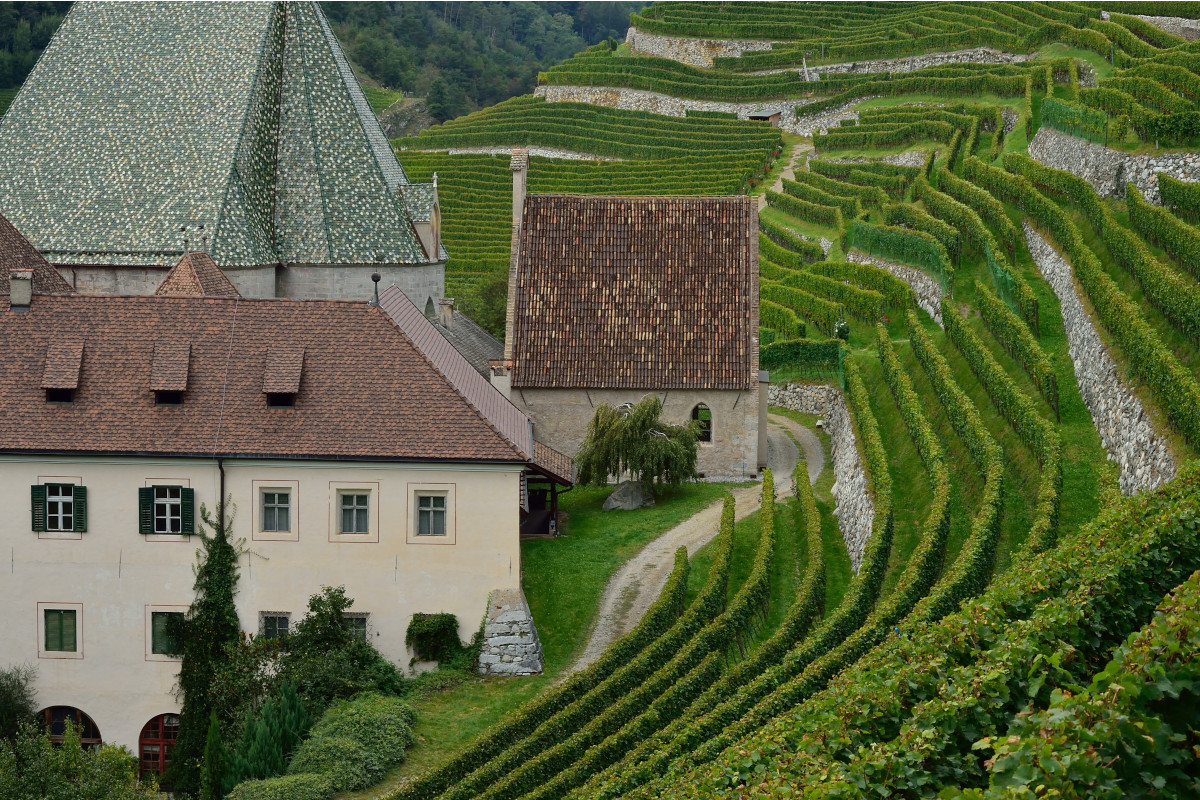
633, 440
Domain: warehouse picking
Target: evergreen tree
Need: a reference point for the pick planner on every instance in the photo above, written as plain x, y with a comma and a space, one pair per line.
214, 762
294, 720
210, 624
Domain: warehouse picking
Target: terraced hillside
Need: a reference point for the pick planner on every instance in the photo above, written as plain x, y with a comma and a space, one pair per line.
980, 268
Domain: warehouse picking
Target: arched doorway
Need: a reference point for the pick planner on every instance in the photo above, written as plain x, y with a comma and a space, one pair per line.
703, 414
55, 719
156, 742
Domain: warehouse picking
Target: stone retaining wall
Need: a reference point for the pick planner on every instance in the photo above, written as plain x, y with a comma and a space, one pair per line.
928, 290
976, 55
821, 123
1125, 430
687, 50
1109, 170
510, 641
657, 103
1180, 26
854, 506
544, 152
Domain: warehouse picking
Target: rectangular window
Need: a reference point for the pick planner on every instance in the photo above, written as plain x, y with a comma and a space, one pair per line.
161, 642
60, 630
431, 515
275, 626
358, 625
276, 507
168, 509
354, 513
60, 507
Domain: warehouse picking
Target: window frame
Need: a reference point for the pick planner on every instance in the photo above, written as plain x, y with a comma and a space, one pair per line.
69, 514
147, 509
359, 621
433, 511
43, 608
150, 611
286, 616
360, 513
706, 435
154, 643
413, 524
39, 502
338, 489
273, 507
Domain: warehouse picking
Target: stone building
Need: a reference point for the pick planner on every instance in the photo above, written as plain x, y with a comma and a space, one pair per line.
612, 299
358, 447
150, 130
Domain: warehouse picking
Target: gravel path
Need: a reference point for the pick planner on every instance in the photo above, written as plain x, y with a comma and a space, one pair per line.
637, 584
788, 172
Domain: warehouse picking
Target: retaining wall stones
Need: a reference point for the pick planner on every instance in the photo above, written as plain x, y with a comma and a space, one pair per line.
854, 506
1180, 26
1109, 170
657, 103
976, 55
544, 152
510, 641
928, 290
820, 123
1125, 430
687, 50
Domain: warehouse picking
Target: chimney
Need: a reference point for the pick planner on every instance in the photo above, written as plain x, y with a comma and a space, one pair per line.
20, 289
445, 313
520, 167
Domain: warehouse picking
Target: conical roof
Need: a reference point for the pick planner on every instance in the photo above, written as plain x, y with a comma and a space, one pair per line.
144, 121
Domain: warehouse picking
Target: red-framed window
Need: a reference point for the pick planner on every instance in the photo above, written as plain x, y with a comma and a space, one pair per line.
55, 719
156, 742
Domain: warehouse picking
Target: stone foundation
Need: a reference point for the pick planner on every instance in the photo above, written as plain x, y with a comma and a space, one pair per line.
510, 640
855, 508
928, 290
1109, 170
1126, 431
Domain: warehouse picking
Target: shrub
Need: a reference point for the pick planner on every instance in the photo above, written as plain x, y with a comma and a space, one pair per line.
286, 787
805, 355
1181, 197
634, 440
380, 723
346, 762
806, 251
802, 209
1156, 224
433, 637
896, 293
17, 698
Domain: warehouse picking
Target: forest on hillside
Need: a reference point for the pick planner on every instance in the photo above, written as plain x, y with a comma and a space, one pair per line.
25, 28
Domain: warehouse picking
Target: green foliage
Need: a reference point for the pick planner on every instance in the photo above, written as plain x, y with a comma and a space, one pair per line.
269, 738
1018, 341
346, 762
871, 195
769, 251
850, 206
25, 30
433, 637
34, 768
804, 251
1074, 119
806, 356
824, 314
287, 787
865, 304
896, 293
907, 246
781, 319
1156, 224
906, 215
211, 623
212, 772
884, 135
1181, 197
804, 210
17, 698
634, 440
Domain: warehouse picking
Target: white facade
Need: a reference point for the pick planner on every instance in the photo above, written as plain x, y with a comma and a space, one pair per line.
115, 577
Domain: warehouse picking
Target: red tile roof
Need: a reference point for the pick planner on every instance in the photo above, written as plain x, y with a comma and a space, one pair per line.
196, 275
63, 359
169, 370
17, 253
285, 363
367, 391
552, 463
645, 292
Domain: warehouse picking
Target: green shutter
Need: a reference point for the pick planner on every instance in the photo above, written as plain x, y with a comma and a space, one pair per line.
158, 633
146, 509
68, 631
37, 494
79, 498
53, 629
187, 509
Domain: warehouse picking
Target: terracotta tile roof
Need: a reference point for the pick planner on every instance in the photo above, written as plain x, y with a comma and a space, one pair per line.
368, 392
281, 374
645, 292
196, 275
552, 463
63, 359
471, 386
169, 370
17, 253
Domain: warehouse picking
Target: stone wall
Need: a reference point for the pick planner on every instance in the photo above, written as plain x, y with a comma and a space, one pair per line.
1180, 26
1109, 170
854, 506
928, 290
510, 641
421, 283
657, 103
809, 124
686, 50
113, 280
976, 55
1125, 430
544, 152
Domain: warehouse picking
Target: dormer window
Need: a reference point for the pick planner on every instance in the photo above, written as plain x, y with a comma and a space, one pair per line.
281, 375
281, 399
168, 397
60, 378
169, 372
61, 396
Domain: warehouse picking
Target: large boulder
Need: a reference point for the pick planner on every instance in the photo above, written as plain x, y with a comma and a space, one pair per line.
628, 496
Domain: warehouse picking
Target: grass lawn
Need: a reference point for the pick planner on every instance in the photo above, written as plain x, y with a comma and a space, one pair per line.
563, 580
381, 99
1059, 50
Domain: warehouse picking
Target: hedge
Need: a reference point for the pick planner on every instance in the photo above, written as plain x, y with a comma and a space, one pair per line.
1178, 299
1125, 735
865, 304
659, 620
1181, 197
1181, 80
633, 769
1034, 636
839, 169
780, 319
769, 251
813, 177
806, 355
824, 314
1072, 119
804, 210
883, 135
285, 787
987, 207
1156, 224
908, 246
850, 206
1003, 85
1173, 386
896, 293
805, 250
1018, 341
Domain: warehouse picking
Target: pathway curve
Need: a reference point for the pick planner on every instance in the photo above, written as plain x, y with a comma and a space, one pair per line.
636, 585
788, 172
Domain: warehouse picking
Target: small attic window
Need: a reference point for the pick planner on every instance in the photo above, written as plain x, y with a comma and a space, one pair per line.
168, 397
281, 399
61, 396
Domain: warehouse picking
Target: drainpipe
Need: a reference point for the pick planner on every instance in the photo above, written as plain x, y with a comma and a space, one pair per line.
221, 501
